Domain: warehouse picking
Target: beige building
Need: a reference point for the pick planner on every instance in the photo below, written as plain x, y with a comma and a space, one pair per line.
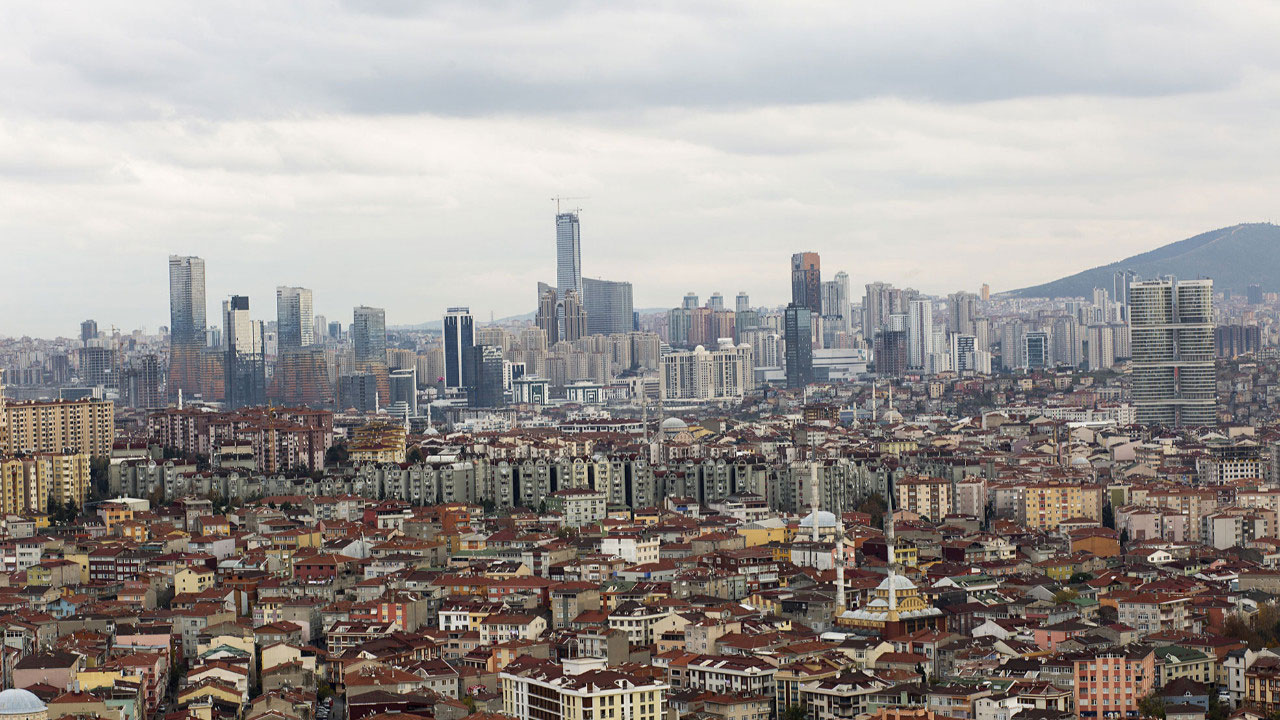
580, 689
1044, 506
55, 426
928, 497
29, 482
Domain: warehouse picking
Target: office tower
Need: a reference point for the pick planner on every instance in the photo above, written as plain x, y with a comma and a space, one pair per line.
98, 366
568, 253
890, 347
962, 312
404, 389
369, 335
798, 322
186, 324
1253, 295
244, 366
986, 292
690, 301
295, 322
806, 281
88, 330
143, 382
573, 320
459, 338
836, 306
678, 323
1036, 351
608, 306
919, 333
1171, 336
742, 303
320, 328
335, 330
302, 378
548, 313
486, 388
358, 391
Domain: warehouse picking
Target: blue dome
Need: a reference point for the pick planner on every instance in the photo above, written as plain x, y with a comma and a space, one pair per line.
20, 702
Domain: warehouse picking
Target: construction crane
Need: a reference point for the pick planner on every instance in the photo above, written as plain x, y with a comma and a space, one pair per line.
576, 197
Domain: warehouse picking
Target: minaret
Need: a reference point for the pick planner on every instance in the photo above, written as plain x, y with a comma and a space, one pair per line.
840, 599
893, 559
813, 494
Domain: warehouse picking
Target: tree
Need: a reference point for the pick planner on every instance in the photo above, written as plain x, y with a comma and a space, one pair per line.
1080, 577
1065, 595
99, 482
415, 455
793, 712
874, 505
336, 455
1152, 706
1108, 516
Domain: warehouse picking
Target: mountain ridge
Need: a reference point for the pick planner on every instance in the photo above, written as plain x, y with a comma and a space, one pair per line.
1234, 257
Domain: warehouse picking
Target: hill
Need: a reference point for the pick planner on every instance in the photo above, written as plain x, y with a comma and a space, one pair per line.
1235, 257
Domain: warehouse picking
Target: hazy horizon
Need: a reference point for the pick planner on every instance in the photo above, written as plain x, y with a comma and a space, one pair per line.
404, 155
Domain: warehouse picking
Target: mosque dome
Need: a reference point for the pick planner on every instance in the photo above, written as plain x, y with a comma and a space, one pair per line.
20, 702
825, 519
674, 425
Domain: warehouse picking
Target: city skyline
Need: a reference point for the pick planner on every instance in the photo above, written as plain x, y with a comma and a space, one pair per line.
856, 146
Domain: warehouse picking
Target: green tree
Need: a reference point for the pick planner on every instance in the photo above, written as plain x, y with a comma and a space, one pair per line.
415, 455
99, 477
1080, 577
1065, 595
336, 455
1152, 706
793, 712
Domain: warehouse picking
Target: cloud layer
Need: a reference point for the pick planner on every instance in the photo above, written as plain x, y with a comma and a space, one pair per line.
403, 154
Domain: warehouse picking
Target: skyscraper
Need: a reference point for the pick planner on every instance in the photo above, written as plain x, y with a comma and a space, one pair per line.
186, 324
919, 333
295, 322
1036, 351
568, 253
369, 334
573, 319
244, 367
742, 303
690, 301
608, 306
548, 317
1120, 283
806, 281
1253, 295
459, 338
836, 306
88, 330
716, 301
1171, 338
486, 377
962, 312
798, 334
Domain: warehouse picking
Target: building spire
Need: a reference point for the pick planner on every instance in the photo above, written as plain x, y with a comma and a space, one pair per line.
814, 498
889, 533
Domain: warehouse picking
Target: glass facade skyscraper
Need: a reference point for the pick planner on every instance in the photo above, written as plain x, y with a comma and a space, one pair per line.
1171, 340
459, 338
186, 323
568, 253
295, 321
369, 334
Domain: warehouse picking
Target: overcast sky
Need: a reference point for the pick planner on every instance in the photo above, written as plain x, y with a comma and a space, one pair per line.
404, 154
